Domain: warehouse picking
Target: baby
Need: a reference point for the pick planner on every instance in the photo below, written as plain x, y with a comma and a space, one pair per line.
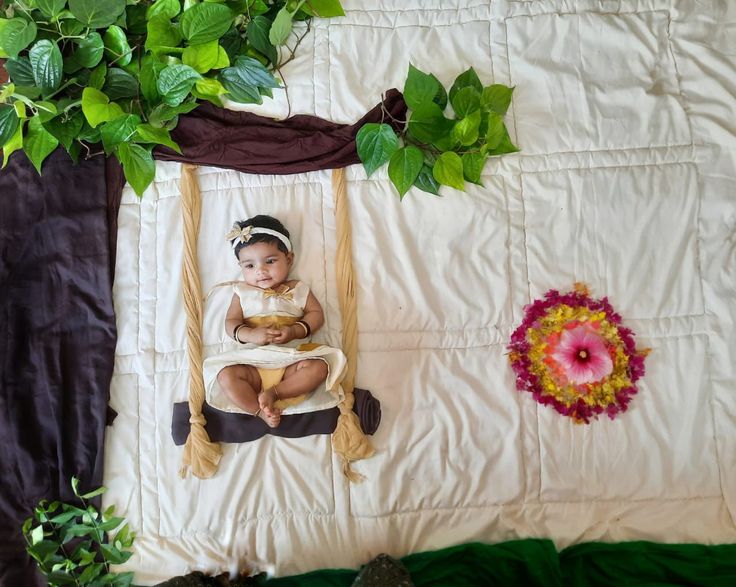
267, 309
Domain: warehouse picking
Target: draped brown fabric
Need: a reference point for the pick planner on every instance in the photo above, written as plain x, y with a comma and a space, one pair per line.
57, 327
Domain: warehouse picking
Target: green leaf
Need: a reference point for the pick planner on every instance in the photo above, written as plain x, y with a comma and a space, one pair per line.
281, 27
465, 131
97, 76
16, 34
404, 167
97, 14
440, 98
209, 87
163, 113
175, 82
113, 555
36, 535
20, 71
150, 70
258, 31
13, 144
324, 8
63, 518
420, 88
448, 170
8, 123
427, 123
496, 98
88, 53
222, 58
202, 57
61, 578
135, 15
145, 133
466, 101
119, 84
253, 73
47, 65
504, 147
205, 22
112, 133
138, 166
90, 573
89, 134
43, 550
161, 33
167, 8
496, 131
70, 26
123, 579
117, 48
51, 8
467, 79
376, 143
97, 108
473, 164
46, 110
426, 182
231, 42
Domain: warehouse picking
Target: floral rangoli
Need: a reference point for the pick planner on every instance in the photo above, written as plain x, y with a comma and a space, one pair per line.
571, 352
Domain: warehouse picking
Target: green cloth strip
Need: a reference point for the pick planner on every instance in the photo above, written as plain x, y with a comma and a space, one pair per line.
536, 562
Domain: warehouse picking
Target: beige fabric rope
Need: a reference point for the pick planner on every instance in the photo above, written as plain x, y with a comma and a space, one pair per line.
348, 439
201, 456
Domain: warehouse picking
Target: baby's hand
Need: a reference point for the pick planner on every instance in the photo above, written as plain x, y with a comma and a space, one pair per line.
262, 335
285, 334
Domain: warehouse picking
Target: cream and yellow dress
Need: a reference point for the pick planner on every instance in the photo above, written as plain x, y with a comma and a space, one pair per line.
271, 308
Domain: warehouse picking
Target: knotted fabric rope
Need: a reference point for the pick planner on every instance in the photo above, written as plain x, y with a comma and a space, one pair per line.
201, 455
348, 439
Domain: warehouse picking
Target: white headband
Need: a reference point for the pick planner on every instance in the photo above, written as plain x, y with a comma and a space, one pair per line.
243, 235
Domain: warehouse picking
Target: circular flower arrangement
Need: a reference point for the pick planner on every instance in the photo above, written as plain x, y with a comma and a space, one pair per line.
571, 352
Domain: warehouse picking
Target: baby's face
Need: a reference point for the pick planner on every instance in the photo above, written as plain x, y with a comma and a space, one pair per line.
264, 265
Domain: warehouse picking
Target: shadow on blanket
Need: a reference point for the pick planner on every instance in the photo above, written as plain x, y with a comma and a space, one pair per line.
232, 427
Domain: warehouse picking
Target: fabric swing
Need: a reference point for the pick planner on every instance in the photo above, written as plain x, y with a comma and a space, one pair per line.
201, 454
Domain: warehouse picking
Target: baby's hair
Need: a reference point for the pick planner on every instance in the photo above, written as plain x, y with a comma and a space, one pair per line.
263, 221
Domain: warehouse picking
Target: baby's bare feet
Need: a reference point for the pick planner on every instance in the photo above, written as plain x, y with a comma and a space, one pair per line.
266, 400
272, 420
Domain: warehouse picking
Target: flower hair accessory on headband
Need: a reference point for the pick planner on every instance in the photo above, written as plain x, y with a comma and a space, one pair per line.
242, 235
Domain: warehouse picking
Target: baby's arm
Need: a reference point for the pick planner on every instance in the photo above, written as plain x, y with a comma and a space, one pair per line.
314, 317
234, 321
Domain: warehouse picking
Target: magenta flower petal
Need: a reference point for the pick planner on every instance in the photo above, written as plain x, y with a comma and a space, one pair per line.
583, 355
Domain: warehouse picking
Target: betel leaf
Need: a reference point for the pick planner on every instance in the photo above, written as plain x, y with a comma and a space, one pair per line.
14, 143
324, 8
205, 22
426, 182
65, 130
160, 32
231, 42
163, 113
496, 131
243, 79
51, 8
466, 101
467, 79
145, 133
473, 164
117, 48
175, 82
281, 27
201, 57
208, 86
427, 123
97, 14
465, 131
258, 30
97, 76
16, 34
120, 84
420, 88
97, 107
504, 147
38, 143
20, 71
138, 166
150, 70
253, 73
47, 65
440, 98
46, 110
88, 53
404, 167
238, 90
496, 98
118, 131
448, 170
376, 143
8, 123
168, 8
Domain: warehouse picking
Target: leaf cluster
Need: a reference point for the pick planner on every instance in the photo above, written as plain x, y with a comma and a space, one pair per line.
433, 149
74, 545
120, 72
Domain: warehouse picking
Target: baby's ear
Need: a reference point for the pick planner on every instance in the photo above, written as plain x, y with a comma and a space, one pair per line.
290, 258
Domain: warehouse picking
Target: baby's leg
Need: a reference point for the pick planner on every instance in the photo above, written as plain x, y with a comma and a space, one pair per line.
302, 377
241, 383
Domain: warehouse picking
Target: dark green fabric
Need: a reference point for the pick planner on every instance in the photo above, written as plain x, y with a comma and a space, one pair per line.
536, 562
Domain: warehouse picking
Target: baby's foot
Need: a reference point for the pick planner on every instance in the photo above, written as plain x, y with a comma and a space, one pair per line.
272, 420
266, 400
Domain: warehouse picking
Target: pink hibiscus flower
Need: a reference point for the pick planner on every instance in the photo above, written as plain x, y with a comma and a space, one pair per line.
583, 355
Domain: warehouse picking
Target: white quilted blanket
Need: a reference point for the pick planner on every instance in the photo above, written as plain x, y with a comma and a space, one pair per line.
624, 111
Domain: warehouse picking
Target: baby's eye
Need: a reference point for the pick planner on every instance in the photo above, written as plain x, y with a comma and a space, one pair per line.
248, 266
271, 261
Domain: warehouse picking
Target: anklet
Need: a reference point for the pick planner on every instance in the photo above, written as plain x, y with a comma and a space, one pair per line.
276, 393
258, 411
